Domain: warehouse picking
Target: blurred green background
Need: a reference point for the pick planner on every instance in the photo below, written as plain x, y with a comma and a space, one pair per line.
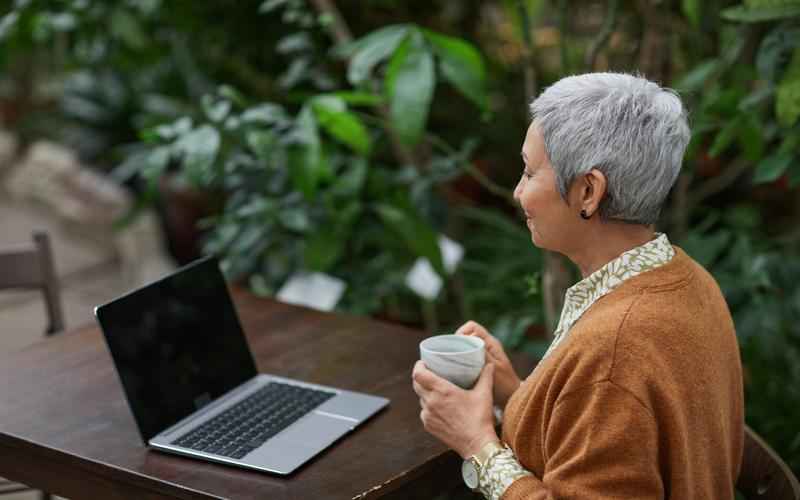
345, 137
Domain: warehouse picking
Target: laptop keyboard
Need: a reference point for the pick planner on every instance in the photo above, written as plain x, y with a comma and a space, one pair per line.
247, 425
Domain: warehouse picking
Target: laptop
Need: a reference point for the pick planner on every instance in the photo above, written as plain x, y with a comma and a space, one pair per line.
192, 385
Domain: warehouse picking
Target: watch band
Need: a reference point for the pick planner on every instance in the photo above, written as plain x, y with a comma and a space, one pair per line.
486, 452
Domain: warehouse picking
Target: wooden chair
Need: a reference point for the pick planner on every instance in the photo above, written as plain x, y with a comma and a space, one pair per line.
31, 267
764, 474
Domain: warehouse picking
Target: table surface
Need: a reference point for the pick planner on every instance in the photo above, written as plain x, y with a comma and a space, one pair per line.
65, 425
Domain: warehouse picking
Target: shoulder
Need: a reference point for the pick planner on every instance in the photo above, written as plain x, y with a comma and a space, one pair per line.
651, 326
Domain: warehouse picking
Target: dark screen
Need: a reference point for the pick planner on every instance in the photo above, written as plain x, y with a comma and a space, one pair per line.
177, 344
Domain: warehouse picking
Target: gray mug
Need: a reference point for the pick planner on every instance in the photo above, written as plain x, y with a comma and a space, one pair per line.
457, 358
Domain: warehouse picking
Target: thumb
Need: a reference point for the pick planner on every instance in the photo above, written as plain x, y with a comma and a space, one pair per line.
486, 381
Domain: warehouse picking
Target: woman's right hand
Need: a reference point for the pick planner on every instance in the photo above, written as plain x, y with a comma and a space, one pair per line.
506, 380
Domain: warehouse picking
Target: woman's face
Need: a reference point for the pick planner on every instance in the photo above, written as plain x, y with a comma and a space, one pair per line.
550, 220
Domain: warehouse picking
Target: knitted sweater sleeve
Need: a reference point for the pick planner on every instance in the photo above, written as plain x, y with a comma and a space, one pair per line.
601, 443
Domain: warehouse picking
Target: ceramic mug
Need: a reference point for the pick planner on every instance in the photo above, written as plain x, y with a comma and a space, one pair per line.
457, 358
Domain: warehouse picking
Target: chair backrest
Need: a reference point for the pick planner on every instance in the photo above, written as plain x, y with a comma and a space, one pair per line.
764, 474
31, 266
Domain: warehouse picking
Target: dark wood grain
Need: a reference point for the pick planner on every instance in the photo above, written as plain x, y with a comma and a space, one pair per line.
65, 425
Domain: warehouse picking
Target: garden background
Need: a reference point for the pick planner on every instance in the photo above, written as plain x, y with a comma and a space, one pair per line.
347, 137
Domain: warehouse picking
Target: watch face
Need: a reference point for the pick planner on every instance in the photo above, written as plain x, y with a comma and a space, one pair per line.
470, 474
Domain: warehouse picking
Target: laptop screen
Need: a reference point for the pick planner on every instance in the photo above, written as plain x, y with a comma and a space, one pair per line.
177, 345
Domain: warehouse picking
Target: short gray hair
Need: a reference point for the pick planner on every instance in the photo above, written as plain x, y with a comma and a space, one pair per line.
629, 128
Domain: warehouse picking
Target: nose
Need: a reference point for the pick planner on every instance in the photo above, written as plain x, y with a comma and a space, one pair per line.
518, 190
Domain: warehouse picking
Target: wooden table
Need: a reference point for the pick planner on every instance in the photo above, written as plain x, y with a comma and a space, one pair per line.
65, 425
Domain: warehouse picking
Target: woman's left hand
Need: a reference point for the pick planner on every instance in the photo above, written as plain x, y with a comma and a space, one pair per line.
463, 420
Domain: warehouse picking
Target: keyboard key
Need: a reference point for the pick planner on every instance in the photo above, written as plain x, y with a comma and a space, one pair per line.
251, 422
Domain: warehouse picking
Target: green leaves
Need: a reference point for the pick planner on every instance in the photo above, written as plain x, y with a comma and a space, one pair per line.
126, 27
198, 150
462, 65
745, 14
697, 77
345, 126
410, 80
725, 137
326, 245
308, 163
416, 233
372, 49
772, 167
410, 75
787, 98
693, 10
776, 50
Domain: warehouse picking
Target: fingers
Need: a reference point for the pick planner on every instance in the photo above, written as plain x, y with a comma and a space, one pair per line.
421, 391
473, 328
493, 347
424, 378
486, 380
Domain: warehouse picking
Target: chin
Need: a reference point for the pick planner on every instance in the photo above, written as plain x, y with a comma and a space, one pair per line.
537, 241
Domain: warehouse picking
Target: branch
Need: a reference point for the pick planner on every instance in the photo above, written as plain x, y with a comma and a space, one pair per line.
563, 5
339, 29
468, 167
527, 52
604, 35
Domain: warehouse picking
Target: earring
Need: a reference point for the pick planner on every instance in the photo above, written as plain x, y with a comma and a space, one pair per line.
584, 215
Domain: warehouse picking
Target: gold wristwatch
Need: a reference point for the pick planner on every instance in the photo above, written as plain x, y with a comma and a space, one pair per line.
472, 468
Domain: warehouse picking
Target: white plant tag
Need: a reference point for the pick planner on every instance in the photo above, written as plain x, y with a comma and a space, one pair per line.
452, 253
316, 290
423, 280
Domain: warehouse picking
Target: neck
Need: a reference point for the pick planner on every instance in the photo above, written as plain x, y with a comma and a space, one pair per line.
607, 240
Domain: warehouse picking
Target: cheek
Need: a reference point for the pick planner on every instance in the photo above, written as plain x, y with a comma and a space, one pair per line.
530, 198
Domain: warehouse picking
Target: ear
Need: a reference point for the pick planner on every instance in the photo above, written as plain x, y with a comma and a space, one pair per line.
592, 188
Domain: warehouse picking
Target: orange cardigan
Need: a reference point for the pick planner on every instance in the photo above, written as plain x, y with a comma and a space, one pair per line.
642, 400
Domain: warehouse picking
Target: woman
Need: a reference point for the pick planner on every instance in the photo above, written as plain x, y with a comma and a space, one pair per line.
640, 393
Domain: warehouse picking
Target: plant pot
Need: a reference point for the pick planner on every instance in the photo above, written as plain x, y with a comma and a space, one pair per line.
181, 208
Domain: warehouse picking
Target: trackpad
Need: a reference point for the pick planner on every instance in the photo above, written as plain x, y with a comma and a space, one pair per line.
316, 430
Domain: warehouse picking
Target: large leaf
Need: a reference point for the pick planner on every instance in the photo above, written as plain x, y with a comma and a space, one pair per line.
698, 76
693, 10
462, 65
787, 98
410, 81
744, 14
8, 24
306, 156
372, 49
417, 234
126, 27
725, 137
342, 124
775, 51
351, 182
772, 167
751, 138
